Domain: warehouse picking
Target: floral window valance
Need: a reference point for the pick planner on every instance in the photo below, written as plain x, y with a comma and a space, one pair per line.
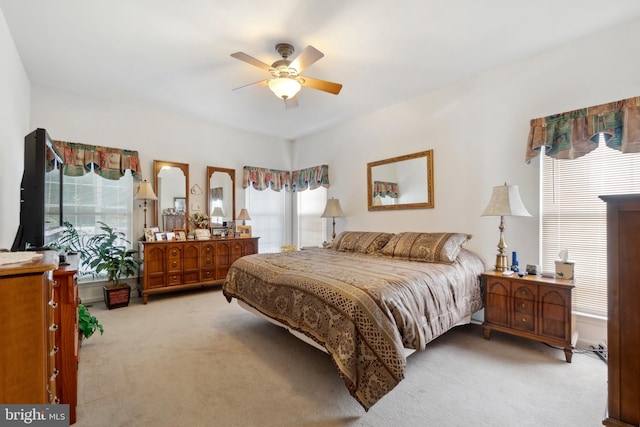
215, 193
311, 178
275, 179
575, 133
382, 189
262, 178
109, 163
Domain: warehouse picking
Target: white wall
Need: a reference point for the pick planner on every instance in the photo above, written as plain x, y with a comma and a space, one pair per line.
14, 118
478, 130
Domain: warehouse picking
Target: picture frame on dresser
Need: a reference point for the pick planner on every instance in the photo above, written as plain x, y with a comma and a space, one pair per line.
180, 234
244, 231
149, 235
171, 235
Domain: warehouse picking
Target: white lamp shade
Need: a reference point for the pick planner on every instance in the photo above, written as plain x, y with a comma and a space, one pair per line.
284, 87
217, 212
145, 192
505, 201
244, 215
333, 209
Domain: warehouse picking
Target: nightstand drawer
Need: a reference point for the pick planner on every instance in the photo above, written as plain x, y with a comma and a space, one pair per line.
524, 291
525, 306
523, 322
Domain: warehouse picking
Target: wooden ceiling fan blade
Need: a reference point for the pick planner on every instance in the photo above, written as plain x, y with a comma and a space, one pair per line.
322, 85
290, 103
307, 57
256, 84
251, 60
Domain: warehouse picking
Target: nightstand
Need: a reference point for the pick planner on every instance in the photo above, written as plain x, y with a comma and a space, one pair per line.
532, 307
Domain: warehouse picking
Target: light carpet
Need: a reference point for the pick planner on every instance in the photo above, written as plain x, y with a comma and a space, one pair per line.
192, 359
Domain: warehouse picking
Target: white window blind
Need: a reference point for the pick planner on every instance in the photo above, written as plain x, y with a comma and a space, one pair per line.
91, 198
267, 211
574, 217
311, 228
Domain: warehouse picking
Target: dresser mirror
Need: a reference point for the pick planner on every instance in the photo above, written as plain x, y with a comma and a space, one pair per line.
404, 182
171, 184
221, 195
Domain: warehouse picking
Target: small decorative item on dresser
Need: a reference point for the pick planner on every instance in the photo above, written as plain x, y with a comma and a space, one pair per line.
202, 233
199, 220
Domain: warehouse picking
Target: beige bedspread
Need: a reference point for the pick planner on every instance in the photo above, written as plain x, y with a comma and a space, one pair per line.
362, 308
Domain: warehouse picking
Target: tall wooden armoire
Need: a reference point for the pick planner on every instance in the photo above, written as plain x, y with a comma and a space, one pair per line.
623, 325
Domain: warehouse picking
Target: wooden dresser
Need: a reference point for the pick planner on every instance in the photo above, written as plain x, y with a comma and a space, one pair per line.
623, 324
532, 307
27, 331
173, 265
66, 317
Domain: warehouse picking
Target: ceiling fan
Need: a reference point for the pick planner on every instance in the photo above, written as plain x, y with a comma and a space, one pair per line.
286, 80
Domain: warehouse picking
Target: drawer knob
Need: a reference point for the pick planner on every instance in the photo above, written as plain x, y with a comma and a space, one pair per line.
53, 304
174, 253
175, 263
524, 320
53, 327
522, 305
54, 350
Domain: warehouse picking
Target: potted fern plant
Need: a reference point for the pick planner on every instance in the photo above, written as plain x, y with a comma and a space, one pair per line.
107, 252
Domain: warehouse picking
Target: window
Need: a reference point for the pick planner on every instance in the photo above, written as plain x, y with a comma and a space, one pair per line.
311, 228
90, 198
267, 209
574, 218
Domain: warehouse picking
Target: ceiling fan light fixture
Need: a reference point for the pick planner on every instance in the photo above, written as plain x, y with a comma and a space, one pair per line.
284, 88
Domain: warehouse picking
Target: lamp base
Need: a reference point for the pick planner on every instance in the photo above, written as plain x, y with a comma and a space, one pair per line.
502, 263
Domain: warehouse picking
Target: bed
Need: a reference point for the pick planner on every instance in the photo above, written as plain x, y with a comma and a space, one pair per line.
368, 300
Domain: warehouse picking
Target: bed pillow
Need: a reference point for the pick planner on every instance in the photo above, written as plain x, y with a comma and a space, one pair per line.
366, 242
426, 247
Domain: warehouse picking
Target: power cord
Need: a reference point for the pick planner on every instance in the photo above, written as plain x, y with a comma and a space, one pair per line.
597, 353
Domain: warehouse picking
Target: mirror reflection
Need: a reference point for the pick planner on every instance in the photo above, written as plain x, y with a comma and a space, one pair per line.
171, 182
221, 199
404, 182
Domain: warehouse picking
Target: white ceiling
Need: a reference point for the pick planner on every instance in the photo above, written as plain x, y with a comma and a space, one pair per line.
174, 54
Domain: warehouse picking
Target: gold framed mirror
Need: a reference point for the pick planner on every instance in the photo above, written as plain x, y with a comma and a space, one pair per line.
404, 182
171, 184
221, 186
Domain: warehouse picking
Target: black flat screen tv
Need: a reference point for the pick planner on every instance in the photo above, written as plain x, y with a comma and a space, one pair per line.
40, 193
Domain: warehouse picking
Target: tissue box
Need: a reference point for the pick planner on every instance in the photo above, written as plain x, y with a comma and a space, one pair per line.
564, 270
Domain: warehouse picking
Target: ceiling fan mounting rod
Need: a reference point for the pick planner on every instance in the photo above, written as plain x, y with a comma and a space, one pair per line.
285, 50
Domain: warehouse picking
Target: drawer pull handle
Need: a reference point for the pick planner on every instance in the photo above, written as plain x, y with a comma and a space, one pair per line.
524, 320
54, 350
175, 263
56, 400
53, 327
53, 304
175, 278
208, 262
174, 253
522, 305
